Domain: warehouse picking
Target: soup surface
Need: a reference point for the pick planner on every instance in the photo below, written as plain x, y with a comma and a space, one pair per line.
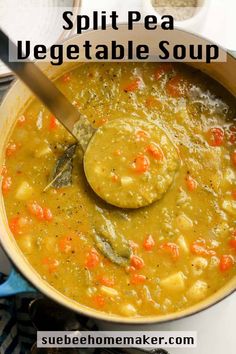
132, 262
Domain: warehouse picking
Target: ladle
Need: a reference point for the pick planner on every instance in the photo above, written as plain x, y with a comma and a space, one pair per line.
142, 179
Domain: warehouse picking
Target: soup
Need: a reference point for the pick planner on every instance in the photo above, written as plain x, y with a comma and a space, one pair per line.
153, 260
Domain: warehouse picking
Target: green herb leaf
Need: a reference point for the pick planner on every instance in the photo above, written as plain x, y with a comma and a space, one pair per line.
62, 172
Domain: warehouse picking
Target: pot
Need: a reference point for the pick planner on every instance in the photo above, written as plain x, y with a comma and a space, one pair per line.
15, 101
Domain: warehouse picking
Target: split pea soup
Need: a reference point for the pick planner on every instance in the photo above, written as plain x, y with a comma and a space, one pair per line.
153, 260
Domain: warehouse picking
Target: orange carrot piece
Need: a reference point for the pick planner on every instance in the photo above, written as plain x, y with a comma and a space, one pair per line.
47, 214
101, 122
133, 85
51, 263
191, 183
66, 78
107, 281
233, 193
92, 259
11, 149
156, 152
215, 136
99, 301
137, 279
53, 124
171, 248
141, 163
136, 262
6, 184
148, 243
65, 244
35, 210
18, 224
176, 87
226, 263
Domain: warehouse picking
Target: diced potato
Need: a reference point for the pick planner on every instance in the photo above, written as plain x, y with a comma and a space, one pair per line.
183, 223
198, 265
24, 191
109, 291
214, 262
126, 180
45, 150
197, 291
229, 176
128, 310
25, 243
229, 206
174, 282
183, 244
91, 291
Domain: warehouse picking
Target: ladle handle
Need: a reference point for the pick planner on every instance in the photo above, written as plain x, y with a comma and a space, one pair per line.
39, 84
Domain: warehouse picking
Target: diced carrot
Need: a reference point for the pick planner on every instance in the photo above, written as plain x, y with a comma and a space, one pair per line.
35, 210
133, 85
233, 193
163, 69
107, 281
92, 259
21, 120
141, 134
191, 183
149, 243
47, 214
99, 300
6, 184
53, 124
66, 78
101, 122
233, 158
65, 244
176, 87
153, 102
226, 262
14, 226
200, 248
51, 263
156, 152
137, 279
114, 178
171, 248
136, 262
18, 224
215, 136
141, 163
11, 149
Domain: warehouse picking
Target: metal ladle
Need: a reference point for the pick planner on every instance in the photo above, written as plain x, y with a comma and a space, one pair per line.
79, 126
